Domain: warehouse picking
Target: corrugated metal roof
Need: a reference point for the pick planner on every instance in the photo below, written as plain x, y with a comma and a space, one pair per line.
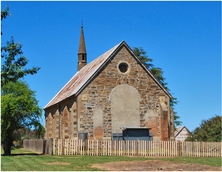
80, 78
83, 76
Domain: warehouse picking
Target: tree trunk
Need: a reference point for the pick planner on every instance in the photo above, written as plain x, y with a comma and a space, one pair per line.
7, 146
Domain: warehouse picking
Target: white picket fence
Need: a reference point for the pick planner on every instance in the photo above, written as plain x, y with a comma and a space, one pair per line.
136, 148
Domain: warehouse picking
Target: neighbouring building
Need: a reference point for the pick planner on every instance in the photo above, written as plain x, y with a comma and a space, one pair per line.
181, 133
115, 90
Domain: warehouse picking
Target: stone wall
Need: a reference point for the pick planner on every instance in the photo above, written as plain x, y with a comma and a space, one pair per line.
97, 99
61, 120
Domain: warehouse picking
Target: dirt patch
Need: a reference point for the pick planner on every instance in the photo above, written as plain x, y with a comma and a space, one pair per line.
30, 152
72, 157
65, 157
57, 163
58, 157
153, 165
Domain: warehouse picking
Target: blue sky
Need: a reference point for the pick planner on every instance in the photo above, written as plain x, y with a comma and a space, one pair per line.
183, 38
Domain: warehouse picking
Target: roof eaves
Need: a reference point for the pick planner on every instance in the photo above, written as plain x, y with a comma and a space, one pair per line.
48, 105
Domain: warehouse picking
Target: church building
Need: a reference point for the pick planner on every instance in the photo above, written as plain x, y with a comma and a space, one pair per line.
113, 91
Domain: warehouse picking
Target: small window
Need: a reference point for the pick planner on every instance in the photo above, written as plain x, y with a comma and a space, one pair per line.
123, 67
83, 57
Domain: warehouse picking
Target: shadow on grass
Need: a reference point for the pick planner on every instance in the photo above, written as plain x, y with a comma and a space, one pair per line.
16, 154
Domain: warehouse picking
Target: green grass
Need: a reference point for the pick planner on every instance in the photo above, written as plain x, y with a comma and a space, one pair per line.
18, 151
212, 161
31, 161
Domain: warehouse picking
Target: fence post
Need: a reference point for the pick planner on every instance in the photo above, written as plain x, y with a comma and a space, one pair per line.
112, 149
106, 147
63, 146
137, 148
220, 146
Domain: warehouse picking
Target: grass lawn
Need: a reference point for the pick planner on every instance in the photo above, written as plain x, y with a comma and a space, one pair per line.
212, 161
24, 160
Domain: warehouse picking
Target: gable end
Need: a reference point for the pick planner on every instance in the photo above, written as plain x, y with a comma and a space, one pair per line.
109, 58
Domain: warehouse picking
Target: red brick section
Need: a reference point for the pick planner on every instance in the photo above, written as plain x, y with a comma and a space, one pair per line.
164, 127
98, 132
153, 123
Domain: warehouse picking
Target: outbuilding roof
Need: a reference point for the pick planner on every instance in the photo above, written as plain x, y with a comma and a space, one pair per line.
179, 129
84, 76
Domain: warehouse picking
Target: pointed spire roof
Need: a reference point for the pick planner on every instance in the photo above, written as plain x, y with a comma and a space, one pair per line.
82, 46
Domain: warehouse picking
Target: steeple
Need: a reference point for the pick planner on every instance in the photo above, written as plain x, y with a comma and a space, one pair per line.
82, 51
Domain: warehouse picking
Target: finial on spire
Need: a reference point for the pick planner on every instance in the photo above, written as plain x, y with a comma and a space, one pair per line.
81, 23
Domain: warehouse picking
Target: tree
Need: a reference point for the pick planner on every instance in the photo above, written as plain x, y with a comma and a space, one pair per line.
208, 131
4, 14
158, 73
12, 67
19, 108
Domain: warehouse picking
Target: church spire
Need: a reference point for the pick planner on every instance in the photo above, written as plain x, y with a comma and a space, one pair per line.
82, 60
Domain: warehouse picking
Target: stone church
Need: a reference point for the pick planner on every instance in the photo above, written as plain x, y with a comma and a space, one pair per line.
115, 90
